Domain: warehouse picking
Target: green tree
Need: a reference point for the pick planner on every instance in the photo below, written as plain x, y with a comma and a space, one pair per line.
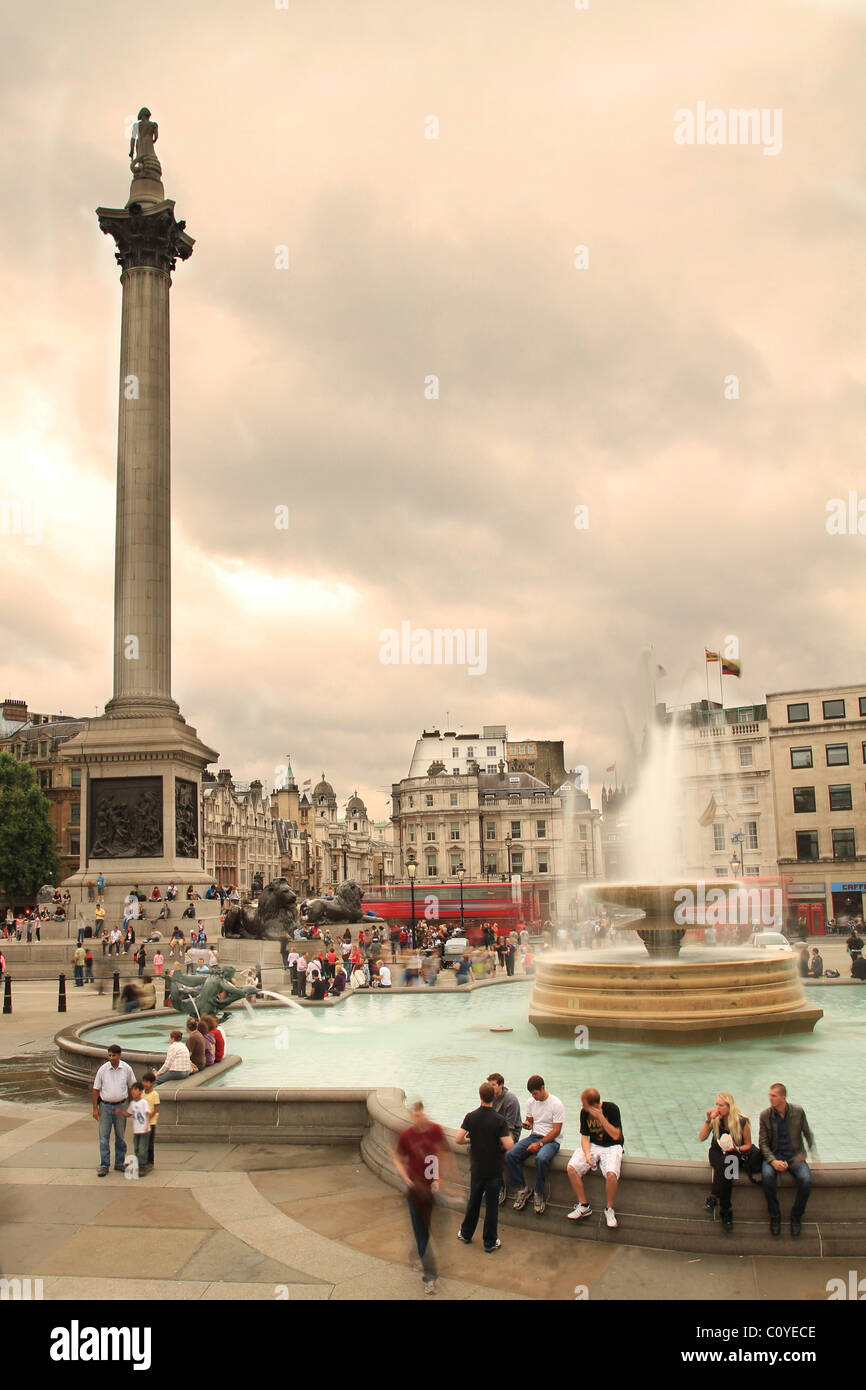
28, 845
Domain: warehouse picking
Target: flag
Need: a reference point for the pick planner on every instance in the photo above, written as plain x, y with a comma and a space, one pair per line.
660, 671
731, 668
611, 768
710, 813
309, 782
710, 656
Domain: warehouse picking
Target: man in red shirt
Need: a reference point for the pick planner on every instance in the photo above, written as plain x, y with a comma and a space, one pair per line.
421, 1150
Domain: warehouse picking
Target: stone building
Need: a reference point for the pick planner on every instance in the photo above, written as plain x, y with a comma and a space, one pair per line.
347, 847
817, 755
543, 758
36, 739
240, 837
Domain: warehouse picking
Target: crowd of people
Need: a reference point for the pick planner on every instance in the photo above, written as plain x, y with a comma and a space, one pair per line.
498, 1153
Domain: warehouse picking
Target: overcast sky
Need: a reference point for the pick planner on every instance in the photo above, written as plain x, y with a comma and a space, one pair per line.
409, 257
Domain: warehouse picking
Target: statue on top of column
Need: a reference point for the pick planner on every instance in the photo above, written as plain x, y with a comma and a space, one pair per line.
145, 133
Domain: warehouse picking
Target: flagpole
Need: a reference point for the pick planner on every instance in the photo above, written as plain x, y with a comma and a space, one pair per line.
721, 691
707, 674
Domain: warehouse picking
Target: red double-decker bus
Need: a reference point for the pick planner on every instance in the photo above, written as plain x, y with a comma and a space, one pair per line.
503, 905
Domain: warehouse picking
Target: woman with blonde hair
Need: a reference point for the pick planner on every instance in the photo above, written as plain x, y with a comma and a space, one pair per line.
731, 1137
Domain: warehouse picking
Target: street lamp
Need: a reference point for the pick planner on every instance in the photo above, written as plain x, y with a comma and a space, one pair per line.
461, 874
737, 838
412, 869
345, 858
508, 851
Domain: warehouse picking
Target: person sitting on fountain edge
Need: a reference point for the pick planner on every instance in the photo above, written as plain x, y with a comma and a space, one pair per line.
780, 1138
601, 1146
732, 1136
545, 1117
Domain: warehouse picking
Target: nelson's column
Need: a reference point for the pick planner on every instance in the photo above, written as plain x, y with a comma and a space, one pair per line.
141, 762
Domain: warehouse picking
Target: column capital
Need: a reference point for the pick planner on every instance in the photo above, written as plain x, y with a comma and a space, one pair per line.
146, 235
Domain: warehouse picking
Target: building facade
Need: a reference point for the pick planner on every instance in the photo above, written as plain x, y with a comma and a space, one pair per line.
818, 756
36, 739
241, 843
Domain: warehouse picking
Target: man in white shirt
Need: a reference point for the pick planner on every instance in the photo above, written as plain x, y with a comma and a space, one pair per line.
110, 1095
545, 1117
384, 977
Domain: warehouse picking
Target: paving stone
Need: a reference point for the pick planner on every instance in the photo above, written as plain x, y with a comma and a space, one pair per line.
116, 1252
294, 1293
276, 1157
54, 1205
226, 1259
162, 1207
24, 1244
668, 1276
799, 1279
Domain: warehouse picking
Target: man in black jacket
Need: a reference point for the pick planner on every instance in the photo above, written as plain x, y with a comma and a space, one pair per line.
782, 1131
505, 1102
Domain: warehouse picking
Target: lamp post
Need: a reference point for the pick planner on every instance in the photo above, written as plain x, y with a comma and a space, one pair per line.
345, 858
737, 838
412, 869
508, 851
461, 874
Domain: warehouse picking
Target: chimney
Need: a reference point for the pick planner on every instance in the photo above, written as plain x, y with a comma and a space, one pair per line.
15, 710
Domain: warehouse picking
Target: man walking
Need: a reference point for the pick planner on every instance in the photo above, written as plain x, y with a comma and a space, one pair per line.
506, 1104
486, 1131
110, 1096
545, 1117
780, 1138
601, 1146
420, 1148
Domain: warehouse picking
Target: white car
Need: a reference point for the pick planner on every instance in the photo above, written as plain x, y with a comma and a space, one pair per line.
770, 941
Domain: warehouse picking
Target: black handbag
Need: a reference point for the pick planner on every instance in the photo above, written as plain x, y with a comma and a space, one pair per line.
751, 1163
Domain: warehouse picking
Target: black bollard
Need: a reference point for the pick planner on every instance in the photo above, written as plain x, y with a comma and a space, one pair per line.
61, 993
7, 995
115, 989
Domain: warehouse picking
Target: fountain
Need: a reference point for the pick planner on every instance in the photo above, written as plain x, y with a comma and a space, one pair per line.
701, 994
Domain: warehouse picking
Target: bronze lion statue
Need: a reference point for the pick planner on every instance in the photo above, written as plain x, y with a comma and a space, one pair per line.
276, 910
344, 907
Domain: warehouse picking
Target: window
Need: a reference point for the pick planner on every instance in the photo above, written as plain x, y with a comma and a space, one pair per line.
431, 866
721, 871
517, 862
491, 866
542, 863
514, 798
75, 811
428, 799
470, 752
411, 802
76, 777
490, 830
834, 709
804, 800
843, 844
751, 834
715, 758
863, 704
456, 861
746, 756
801, 757
491, 767
515, 830
431, 832
749, 793
582, 830
491, 752
837, 754
718, 838
43, 750
583, 862
453, 798
752, 870
798, 714
840, 798
522, 748
541, 829
74, 844
807, 844
455, 752
489, 799
45, 780
455, 830
354, 825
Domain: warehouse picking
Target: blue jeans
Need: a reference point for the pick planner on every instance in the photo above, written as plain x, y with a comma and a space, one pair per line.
802, 1176
111, 1118
515, 1157
421, 1214
488, 1190
172, 1076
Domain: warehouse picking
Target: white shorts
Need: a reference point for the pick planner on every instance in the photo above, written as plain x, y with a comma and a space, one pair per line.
609, 1159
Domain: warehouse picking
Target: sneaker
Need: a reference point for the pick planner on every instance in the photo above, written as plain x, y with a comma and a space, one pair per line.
489, 1249
503, 1193
461, 1237
539, 1204
429, 1285
523, 1197
101, 1172
579, 1210
610, 1218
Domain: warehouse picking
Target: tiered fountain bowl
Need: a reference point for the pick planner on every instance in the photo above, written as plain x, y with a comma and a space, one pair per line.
707, 994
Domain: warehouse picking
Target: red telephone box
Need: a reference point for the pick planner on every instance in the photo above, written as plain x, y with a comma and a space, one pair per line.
810, 917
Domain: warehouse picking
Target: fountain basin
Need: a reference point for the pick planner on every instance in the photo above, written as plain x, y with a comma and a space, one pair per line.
675, 1001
